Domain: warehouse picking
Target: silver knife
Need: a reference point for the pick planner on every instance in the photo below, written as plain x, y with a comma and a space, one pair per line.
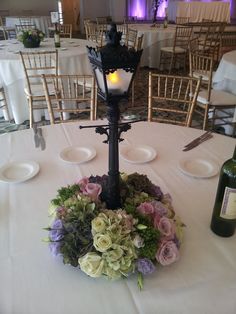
41, 139
196, 143
36, 137
199, 138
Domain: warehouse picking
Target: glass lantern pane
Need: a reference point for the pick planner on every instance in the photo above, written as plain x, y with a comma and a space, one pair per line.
118, 82
100, 80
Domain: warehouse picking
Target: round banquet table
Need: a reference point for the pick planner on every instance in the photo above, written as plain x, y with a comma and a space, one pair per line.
225, 76
153, 40
72, 60
33, 282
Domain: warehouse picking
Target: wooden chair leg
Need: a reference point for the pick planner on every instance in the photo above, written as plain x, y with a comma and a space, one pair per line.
171, 63
205, 117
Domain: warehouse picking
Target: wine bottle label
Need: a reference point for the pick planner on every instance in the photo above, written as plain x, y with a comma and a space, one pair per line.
228, 208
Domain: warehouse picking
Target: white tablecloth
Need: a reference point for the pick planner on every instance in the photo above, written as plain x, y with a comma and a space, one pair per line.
217, 11
225, 75
33, 282
72, 60
154, 39
41, 22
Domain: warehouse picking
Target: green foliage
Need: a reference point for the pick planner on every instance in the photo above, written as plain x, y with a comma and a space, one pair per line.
65, 193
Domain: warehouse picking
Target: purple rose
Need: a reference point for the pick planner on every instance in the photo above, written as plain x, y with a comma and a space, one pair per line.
159, 208
145, 266
93, 190
82, 183
56, 232
54, 248
166, 227
167, 253
145, 208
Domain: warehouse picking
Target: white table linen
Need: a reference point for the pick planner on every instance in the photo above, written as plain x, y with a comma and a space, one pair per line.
196, 10
154, 39
41, 22
73, 59
33, 282
225, 75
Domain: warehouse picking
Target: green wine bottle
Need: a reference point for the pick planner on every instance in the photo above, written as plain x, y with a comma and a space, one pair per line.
57, 37
223, 220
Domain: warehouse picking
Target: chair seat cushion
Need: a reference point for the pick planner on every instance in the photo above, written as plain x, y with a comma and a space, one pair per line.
204, 74
38, 91
171, 49
218, 98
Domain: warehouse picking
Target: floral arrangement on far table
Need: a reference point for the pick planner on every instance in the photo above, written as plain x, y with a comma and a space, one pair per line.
136, 238
31, 37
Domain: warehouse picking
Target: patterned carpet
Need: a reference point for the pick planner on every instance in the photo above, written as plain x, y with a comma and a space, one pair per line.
139, 107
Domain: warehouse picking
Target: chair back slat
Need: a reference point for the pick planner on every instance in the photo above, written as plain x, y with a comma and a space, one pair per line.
75, 94
171, 99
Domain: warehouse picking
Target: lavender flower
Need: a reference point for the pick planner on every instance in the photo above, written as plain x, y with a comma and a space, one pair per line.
156, 191
56, 232
145, 266
54, 248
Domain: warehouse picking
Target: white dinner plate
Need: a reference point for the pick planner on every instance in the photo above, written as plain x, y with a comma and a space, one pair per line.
198, 167
137, 154
78, 154
16, 172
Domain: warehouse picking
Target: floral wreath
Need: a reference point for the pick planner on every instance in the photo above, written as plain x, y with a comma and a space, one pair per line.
137, 238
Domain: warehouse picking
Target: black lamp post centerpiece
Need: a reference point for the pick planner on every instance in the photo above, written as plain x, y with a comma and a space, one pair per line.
114, 67
105, 241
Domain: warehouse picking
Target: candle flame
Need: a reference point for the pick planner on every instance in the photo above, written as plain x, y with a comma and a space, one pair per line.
113, 77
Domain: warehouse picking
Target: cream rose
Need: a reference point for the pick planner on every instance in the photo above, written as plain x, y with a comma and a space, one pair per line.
102, 242
92, 264
98, 225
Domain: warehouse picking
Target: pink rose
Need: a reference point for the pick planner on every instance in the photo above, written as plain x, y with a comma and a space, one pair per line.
167, 253
165, 226
93, 190
145, 208
82, 183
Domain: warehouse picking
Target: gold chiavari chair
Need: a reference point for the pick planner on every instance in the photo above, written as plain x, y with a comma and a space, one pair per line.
8, 32
139, 46
130, 19
131, 38
35, 64
178, 52
180, 20
210, 38
227, 42
211, 104
123, 28
171, 99
75, 94
3, 103
25, 20
65, 30
94, 33
26, 27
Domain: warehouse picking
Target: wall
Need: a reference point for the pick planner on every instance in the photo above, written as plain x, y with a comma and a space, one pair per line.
41, 7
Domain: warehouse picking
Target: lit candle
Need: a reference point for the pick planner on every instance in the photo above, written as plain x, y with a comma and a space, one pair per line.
113, 78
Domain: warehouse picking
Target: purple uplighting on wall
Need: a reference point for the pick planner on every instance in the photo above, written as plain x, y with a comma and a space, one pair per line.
137, 8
